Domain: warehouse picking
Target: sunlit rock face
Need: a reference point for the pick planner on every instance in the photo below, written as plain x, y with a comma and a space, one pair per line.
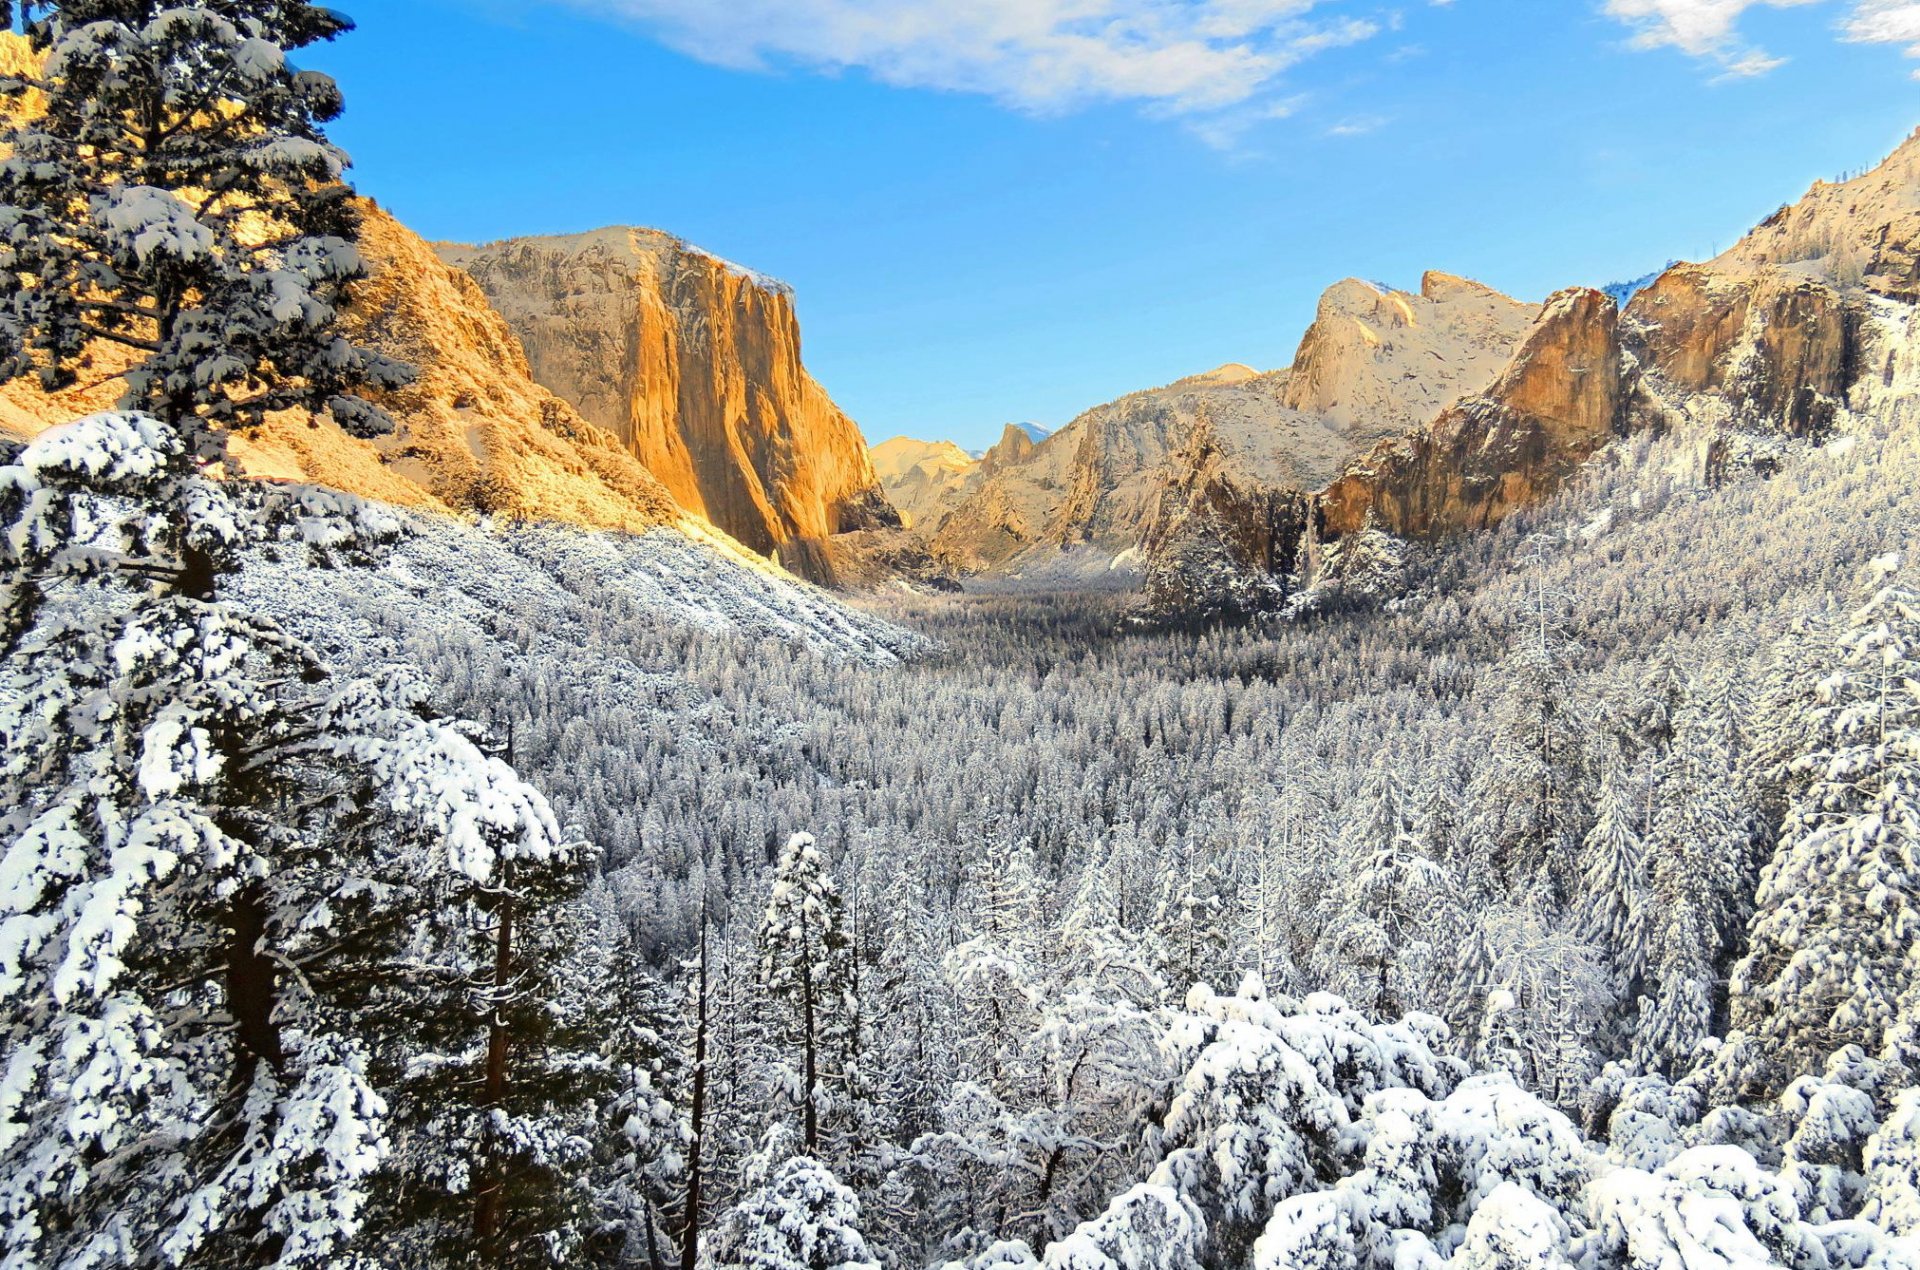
474, 431
1557, 401
1775, 337
922, 478
695, 365
1132, 478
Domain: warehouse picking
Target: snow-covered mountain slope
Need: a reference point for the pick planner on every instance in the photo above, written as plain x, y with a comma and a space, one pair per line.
448, 579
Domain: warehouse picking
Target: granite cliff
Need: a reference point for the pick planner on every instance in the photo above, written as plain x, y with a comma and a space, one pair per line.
694, 364
475, 432
1778, 337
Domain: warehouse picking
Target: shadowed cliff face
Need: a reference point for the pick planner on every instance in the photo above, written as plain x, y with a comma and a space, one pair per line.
695, 365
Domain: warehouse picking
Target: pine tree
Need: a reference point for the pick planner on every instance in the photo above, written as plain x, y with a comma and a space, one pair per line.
1612, 910
1527, 796
1393, 913
177, 200
1830, 959
997, 973
1675, 1020
251, 954
803, 965
802, 1219
1190, 920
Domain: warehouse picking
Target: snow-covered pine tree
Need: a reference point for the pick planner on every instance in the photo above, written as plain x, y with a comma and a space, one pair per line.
1612, 908
1190, 918
1393, 915
1527, 798
1679, 1015
261, 950
803, 966
1830, 958
249, 912
177, 200
801, 1219
996, 973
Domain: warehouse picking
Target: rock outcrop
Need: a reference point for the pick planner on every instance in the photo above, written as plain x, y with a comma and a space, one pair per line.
475, 432
1771, 329
922, 478
1770, 337
1559, 399
694, 364
1377, 362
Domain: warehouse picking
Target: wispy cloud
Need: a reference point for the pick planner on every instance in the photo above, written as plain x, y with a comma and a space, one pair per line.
1358, 126
1886, 22
1211, 63
1710, 29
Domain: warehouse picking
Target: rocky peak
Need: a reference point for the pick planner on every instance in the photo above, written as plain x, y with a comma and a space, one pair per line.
1016, 445
694, 363
1376, 361
1558, 399
1863, 232
474, 431
921, 477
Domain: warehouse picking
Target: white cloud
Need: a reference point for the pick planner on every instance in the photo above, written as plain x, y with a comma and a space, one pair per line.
1711, 28
1359, 126
1886, 22
1703, 28
1190, 58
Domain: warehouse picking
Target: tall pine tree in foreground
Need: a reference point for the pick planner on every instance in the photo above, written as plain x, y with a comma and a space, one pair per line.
279, 955
804, 967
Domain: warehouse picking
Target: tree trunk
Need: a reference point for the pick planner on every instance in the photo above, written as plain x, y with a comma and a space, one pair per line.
251, 983
690, 1230
810, 1046
487, 1200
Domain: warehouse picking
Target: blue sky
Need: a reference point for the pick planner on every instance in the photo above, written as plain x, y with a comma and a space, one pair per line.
1016, 209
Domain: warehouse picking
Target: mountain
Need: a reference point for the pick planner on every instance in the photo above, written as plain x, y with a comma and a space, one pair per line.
1374, 362
694, 364
1776, 338
919, 477
1556, 401
475, 432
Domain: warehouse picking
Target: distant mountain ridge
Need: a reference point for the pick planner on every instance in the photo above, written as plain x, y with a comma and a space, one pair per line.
1374, 362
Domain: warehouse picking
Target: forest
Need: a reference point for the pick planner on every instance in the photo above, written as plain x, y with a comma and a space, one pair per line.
379, 888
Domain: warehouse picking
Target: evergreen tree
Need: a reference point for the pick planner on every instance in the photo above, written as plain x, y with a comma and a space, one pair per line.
804, 966
1527, 797
1190, 920
1393, 913
1830, 959
1612, 911
177, 200
1680, 1015
802, 1219
252, 934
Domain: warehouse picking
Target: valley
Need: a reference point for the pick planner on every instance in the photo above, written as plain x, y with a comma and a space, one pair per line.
495, 770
